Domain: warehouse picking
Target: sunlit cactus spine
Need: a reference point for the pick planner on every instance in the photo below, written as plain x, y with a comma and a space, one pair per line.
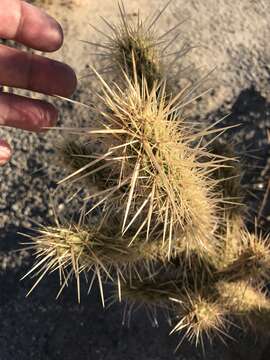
171, 228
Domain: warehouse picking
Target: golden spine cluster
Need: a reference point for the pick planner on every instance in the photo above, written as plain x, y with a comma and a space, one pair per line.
171, 231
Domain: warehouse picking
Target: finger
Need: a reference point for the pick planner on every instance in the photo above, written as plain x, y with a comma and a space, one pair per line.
5, 152
27, 114
33, 72
29, 25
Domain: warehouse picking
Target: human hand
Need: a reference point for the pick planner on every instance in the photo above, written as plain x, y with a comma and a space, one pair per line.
32, 27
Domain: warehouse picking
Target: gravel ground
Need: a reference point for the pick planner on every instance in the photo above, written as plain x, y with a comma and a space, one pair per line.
235, 38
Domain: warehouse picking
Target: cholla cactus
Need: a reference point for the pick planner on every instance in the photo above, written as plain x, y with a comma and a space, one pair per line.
171, 232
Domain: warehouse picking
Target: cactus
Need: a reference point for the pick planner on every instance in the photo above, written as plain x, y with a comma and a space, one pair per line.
171, 227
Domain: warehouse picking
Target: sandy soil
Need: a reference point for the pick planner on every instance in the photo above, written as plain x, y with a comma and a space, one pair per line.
233, 37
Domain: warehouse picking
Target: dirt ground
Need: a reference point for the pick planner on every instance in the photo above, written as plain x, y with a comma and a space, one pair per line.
230, 36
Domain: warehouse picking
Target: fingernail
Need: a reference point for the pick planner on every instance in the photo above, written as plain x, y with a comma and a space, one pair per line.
49, 118
55, 34
5, 155
52, 116
44, 26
